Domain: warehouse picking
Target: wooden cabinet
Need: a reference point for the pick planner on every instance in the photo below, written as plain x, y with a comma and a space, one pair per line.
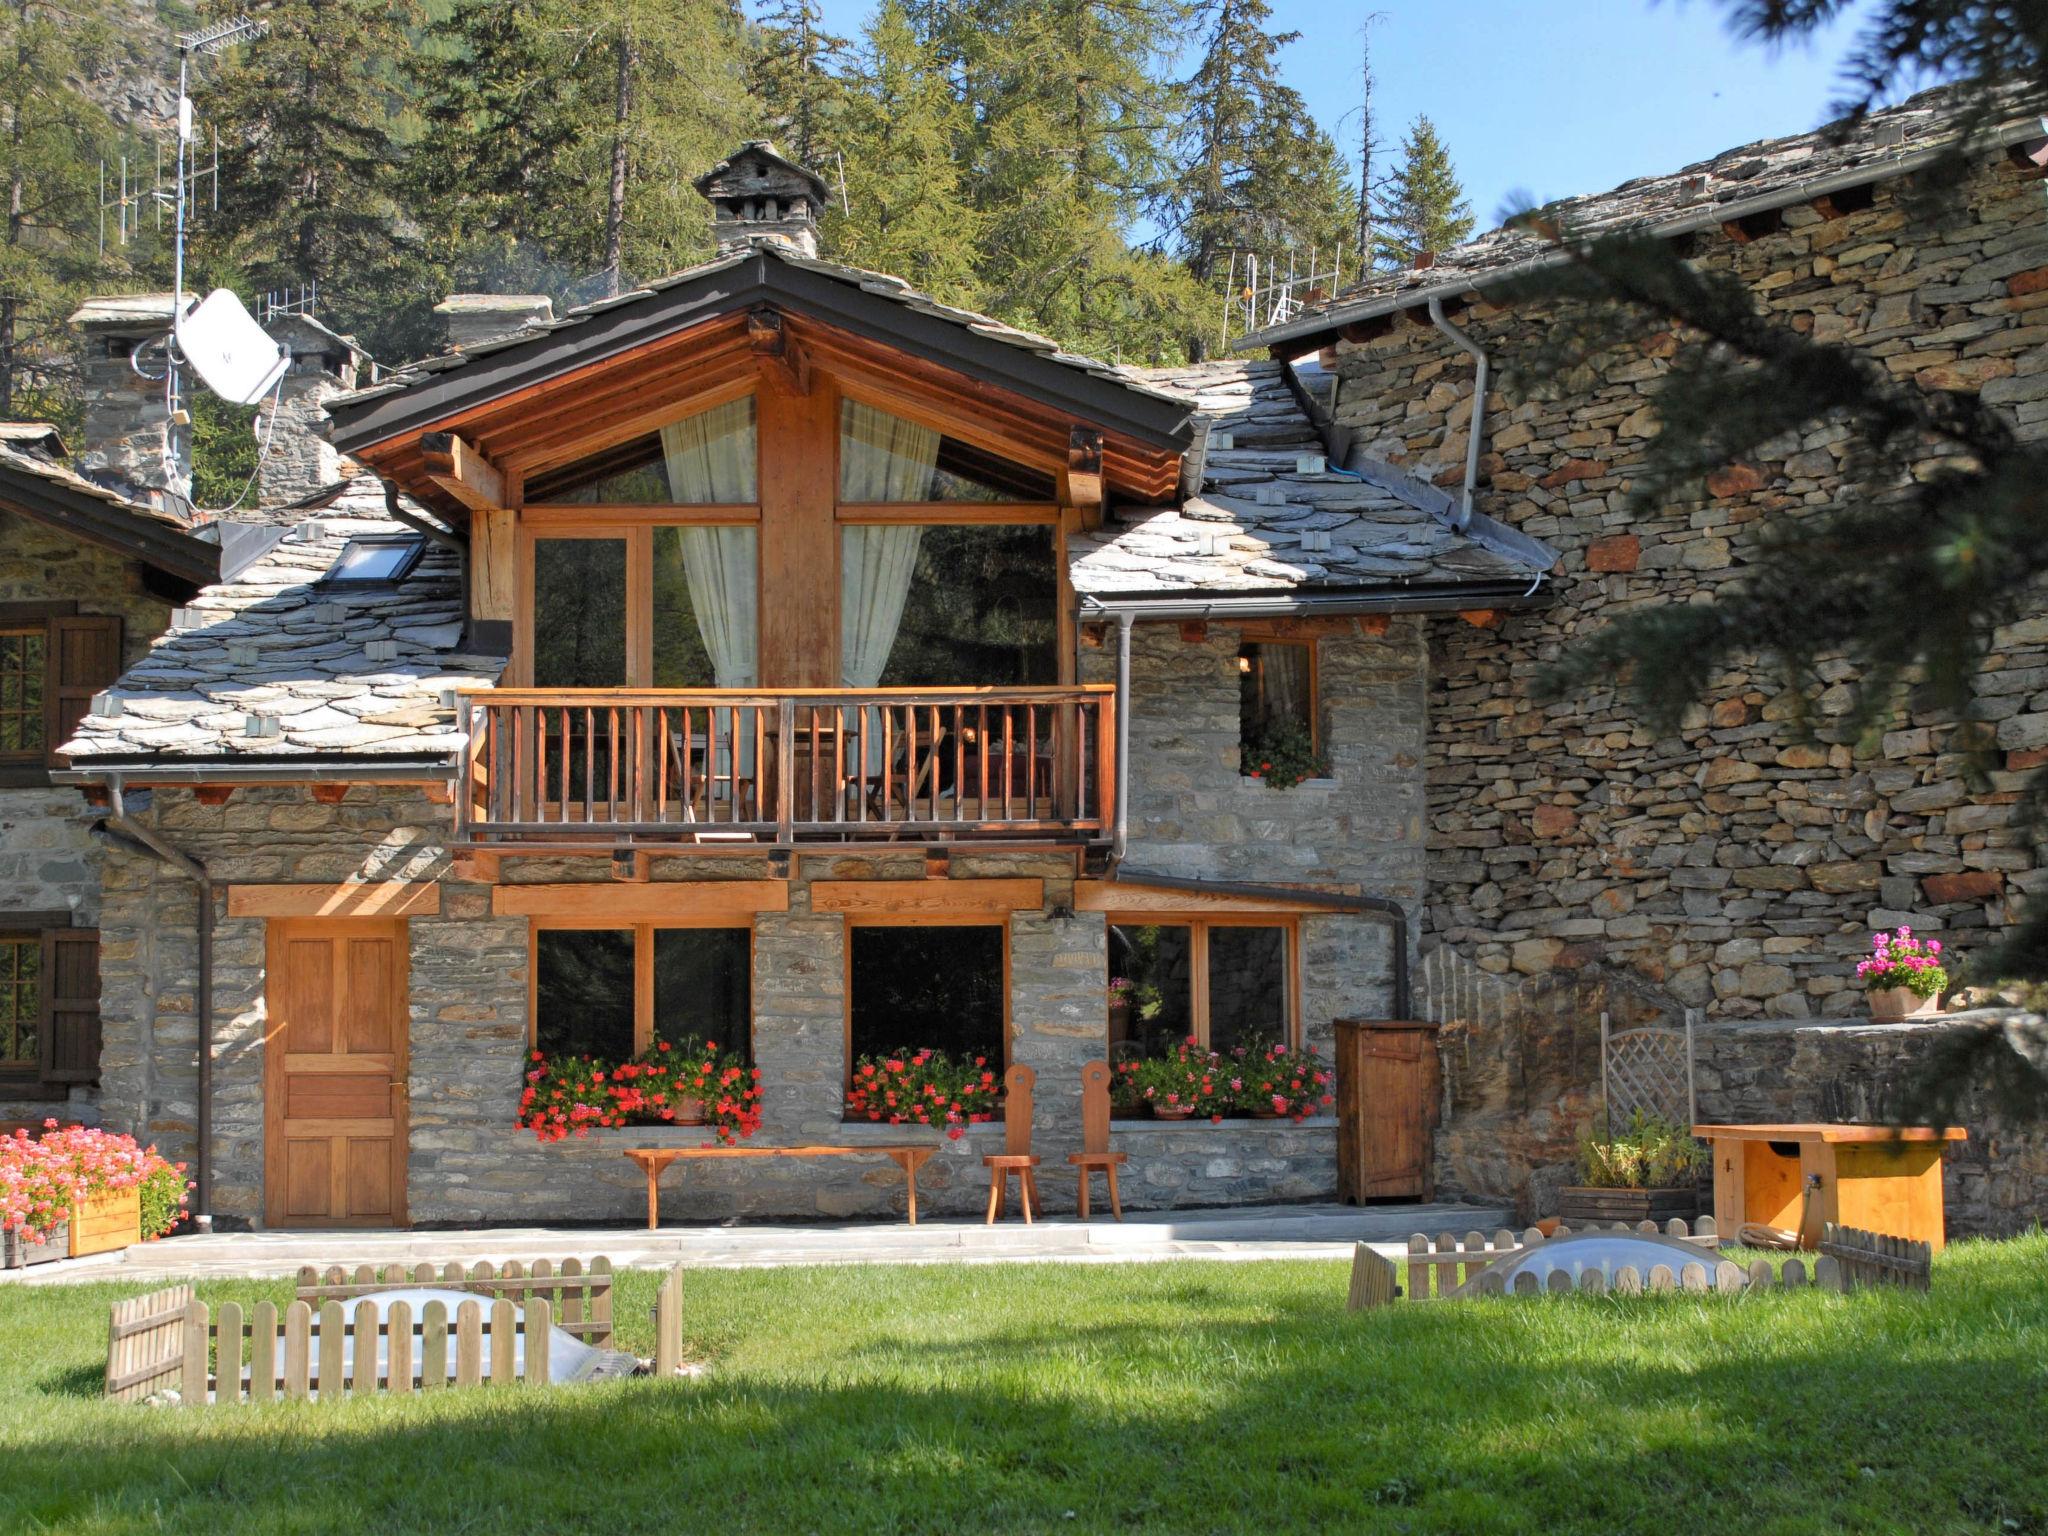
1388, 1084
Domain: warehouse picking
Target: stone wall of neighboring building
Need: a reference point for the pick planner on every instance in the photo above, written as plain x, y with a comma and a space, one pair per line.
39, 564
1728, 865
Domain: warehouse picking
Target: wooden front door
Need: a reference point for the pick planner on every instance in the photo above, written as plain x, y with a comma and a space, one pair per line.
334, 1074
1387, 1086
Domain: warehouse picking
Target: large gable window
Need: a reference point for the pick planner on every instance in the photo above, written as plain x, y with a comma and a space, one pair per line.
884, 458
707, 458
947, 605
662, 607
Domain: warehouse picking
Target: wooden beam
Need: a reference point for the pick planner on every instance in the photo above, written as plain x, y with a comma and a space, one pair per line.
1194, 631
458, 468
654, 902
1084, 475
1753, 227
1848, 200
781, 356
212, 794
1131, 896
1482, 618
370, 898
935, 898
329, 794
799, 539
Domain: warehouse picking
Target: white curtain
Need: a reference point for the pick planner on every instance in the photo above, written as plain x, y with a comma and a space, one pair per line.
710, 458
881, 458
711, 455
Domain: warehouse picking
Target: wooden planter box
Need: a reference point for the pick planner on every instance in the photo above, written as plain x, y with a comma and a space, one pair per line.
103, 1223
17, 1252
1580, 1203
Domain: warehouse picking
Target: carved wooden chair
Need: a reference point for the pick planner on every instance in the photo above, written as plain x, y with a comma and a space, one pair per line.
1095, 1156
1016, 1154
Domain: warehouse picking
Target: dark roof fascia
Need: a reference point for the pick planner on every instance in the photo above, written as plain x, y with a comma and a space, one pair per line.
581, 340
176, 553
1341, 314
1423, 597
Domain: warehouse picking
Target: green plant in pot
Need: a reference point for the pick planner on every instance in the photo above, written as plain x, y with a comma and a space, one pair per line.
1283, 755
1647, 1169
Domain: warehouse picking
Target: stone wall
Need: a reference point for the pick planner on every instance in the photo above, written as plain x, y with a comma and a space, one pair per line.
1730, 865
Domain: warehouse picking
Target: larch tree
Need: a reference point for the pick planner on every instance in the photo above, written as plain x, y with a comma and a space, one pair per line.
309, 159
50, 139
795, 79
900, 132
563, 136
1426, 208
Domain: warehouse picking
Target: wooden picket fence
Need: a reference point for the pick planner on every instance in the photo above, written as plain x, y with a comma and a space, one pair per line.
1848, 1257
1872, 1258
169, 1340
580, 1297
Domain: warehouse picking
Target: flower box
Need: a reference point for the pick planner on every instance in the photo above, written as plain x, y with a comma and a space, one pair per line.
1580, 1203
18, 1251
1893, 1005
105, 1223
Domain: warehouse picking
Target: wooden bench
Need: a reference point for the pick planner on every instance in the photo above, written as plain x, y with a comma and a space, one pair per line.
653, 1160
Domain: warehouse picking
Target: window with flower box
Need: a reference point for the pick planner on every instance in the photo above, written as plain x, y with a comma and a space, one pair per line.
1223, 982
611, 991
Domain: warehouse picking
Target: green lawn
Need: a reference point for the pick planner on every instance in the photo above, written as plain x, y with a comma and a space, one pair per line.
1185, 1397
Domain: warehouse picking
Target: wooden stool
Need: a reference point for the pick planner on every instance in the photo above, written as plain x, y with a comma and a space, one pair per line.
1016, 1154
1095, 1156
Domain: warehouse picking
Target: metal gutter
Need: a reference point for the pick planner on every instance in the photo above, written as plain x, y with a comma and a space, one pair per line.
1445, 597
1379, 908
1707, 218
148, 838
235, 771
1475, 427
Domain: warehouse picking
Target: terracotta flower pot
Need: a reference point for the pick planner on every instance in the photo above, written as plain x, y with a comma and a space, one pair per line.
689, 1110
1172, 1111
1890, 1005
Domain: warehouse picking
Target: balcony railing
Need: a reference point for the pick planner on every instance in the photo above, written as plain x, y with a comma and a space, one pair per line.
810, 766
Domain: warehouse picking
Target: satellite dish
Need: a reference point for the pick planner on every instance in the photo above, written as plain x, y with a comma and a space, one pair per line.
234, 355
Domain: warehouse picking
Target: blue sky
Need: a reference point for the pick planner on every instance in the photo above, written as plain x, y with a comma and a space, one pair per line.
1547, 97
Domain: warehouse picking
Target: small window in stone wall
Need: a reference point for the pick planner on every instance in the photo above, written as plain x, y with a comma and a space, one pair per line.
928, 987
1222, 984
1277, 730
610, 993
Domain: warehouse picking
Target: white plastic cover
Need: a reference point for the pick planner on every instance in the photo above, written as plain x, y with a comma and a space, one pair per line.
234, 355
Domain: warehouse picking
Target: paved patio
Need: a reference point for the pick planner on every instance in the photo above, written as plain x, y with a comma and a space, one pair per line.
1247, 1232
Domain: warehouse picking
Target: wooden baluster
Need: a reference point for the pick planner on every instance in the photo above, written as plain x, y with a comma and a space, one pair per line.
888, 715
937, 747
1080, 740
562, 810
540, 763
910, 763
611, 765
1105, 762
518, 764
861, 767
1031, 761
1009, 755
640, 744
686, 793
785, 771
494, 788
839, 767
981, 754
761, 765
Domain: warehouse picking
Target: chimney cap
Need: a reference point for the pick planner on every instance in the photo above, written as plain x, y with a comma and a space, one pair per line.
755, 168
521, 304
138, 312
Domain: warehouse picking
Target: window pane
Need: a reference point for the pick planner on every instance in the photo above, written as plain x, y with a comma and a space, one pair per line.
980, 607
704, 607
22, 660
928, 987
707, 457
1247, 987
368, 560
1157, 1011
1273, 691
703, 986
883, 457
579, 613
21, 963
583, 986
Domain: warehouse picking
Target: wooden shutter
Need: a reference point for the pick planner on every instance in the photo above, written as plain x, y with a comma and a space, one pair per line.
85, 656
70, 1024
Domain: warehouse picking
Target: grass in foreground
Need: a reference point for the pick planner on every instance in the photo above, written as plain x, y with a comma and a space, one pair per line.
1186, 1397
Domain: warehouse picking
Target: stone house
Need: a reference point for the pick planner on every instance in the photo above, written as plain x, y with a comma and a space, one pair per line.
93, 559
776, 654
1576, 860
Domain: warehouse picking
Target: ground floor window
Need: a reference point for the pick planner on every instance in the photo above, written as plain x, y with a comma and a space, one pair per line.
21, 971
610, 993
928, 987
1224, 982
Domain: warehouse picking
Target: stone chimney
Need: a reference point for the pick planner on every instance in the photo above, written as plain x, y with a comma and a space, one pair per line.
128, 440
756, 196
299, 459
474, 317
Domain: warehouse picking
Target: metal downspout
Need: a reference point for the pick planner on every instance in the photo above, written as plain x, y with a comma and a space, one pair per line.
190, 867
1123, 739
1476, 428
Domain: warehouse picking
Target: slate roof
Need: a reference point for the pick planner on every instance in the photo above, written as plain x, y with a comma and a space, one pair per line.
1751, 179
1258, 523
347, 409
36, 483
270, 643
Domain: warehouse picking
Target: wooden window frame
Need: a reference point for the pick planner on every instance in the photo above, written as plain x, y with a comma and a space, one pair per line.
1198, 927
920, 920
46, 930
1252, 635
643, 968
19, 1068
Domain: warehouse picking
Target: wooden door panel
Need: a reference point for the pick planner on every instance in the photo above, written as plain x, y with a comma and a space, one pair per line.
334, 1073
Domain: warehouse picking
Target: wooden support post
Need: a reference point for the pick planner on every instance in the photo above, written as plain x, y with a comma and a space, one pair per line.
1084, 475
780, 355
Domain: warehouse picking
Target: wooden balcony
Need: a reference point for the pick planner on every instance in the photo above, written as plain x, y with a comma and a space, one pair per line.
726, 767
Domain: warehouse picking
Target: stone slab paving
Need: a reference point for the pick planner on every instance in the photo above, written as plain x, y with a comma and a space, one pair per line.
1251, 1232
